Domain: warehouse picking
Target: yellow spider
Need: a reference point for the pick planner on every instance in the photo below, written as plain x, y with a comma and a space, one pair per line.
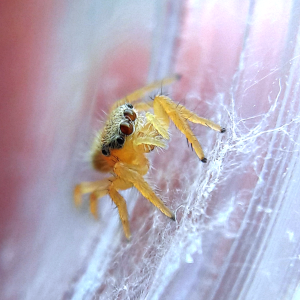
131, 132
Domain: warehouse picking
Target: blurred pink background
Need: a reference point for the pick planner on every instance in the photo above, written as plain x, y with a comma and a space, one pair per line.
237, 231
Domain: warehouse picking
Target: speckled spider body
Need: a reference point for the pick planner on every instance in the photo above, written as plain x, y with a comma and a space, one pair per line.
131, 132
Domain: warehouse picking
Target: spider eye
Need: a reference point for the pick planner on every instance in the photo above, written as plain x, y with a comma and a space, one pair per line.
105, 151
129, 105
126, 128
120, 140
117, 143
129, 114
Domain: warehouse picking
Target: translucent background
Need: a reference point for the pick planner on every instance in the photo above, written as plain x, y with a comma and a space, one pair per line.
63, 63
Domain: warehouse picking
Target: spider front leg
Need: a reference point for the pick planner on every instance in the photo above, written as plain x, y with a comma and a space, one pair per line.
132, 175
165, 108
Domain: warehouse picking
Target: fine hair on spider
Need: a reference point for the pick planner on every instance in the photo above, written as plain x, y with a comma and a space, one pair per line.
129, 134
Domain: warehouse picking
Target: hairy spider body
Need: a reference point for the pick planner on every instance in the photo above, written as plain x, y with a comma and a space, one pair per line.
131, 132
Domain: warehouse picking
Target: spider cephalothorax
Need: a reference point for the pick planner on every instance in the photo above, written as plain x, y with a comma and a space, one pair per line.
129, 133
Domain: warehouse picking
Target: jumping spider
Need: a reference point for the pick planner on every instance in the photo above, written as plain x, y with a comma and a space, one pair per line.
131, 132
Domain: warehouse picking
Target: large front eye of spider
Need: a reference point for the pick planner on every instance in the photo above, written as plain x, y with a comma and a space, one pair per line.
126, 128
129, 114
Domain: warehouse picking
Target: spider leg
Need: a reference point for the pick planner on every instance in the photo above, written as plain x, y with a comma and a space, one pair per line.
99, 189
132, 175
87, 187
120, 184
94, 196
143, 106
136, 95
165, 108
192, 117
122, 208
